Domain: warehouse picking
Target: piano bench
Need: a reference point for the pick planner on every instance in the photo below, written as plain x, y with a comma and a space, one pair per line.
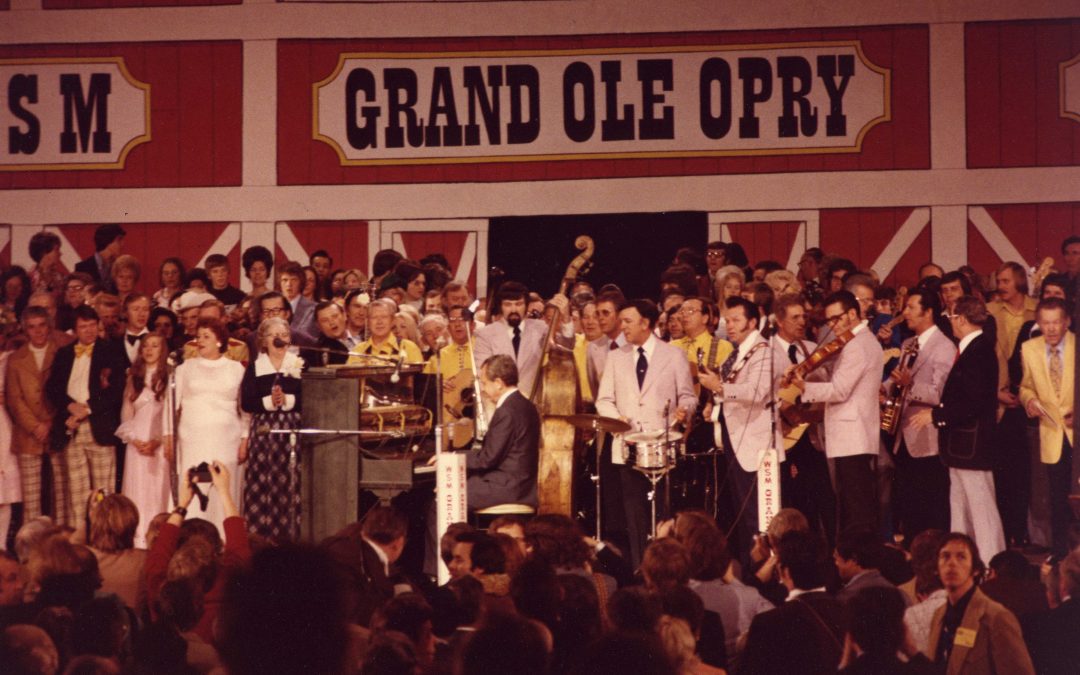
481, 517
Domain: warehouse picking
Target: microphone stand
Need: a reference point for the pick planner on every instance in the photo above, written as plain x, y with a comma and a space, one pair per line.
173, 418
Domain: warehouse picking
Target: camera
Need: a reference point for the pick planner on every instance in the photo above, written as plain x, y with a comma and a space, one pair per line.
200, 474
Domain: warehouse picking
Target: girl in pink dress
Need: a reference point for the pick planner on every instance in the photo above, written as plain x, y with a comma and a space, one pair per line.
146, 472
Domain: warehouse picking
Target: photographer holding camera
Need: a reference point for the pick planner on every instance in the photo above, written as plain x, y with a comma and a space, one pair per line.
197, 539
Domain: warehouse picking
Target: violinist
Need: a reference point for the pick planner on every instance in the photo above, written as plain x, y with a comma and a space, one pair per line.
852, 415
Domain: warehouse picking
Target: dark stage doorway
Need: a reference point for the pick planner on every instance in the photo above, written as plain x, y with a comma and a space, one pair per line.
632, 249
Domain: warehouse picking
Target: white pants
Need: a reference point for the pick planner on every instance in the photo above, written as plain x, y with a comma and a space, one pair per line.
974, 510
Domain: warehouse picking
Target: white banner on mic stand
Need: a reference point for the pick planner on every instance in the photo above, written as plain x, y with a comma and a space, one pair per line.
768, 488
451, 505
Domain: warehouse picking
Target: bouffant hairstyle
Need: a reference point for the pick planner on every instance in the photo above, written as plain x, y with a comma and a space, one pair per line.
218, 329
113, 519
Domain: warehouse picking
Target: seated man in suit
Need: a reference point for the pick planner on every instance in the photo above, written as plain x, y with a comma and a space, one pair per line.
365, 553
971, 633
504, 469
804, 634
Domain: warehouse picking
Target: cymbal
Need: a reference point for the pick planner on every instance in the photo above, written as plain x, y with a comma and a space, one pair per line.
594, 422
647, 437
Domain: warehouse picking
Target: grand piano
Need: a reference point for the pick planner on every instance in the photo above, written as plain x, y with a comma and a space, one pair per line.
366, 428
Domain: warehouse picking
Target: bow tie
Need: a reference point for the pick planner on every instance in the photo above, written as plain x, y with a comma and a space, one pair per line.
84, 350
132, 339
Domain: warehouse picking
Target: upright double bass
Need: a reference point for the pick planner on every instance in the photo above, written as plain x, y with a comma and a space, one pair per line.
555, 392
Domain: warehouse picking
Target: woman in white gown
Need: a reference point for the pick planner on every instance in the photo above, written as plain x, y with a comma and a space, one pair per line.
146, 473
211, 425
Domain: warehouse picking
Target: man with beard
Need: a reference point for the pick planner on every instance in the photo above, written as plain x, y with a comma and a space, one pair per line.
520, 338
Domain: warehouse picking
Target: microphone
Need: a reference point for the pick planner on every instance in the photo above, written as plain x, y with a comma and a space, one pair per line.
440, 342
280, 344
395, 377
176, 357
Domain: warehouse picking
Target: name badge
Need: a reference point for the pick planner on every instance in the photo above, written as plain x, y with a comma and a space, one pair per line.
965, 637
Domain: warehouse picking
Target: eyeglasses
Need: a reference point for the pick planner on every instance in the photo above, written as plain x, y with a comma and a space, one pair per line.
715, 254
273, 310
833, 319
690, 310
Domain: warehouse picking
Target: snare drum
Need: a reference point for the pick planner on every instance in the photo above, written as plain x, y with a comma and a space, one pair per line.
652, 451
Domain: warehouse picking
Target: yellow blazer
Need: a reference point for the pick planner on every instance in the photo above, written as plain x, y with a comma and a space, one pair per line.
26, 399
1036, 384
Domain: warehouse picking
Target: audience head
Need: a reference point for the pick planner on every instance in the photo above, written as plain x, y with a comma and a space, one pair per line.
557, 540
634, 609
875, 621
113, 520
857, 551
510, 644
666, 564
387, 527
28, 650
705, 545
410, 615
801, 560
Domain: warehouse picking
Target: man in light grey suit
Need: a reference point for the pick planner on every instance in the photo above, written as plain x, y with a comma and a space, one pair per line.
741, 397
608, 306
852, 412
921, 483
641, 382
291, 280
520, 338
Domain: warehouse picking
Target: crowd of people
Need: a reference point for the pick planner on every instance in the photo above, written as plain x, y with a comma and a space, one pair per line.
154, 515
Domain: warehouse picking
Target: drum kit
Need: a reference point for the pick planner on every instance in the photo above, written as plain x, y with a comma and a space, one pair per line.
653, 453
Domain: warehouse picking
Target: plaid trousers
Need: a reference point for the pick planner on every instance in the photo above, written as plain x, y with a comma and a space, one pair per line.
89, 466
30, 470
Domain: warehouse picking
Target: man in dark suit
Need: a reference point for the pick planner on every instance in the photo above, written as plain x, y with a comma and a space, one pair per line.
805, 634
966, 419
504, 470
108, 240
85, 387
1051, 635
365, 552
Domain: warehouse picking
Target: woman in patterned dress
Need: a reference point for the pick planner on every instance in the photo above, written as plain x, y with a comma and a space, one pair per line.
271, 393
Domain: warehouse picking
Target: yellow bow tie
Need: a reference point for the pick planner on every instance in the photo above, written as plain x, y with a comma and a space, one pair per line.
84, 350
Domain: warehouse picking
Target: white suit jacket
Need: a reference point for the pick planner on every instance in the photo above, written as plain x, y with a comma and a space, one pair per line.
666, 381
748, 419
852, 412
494, 338
928, 375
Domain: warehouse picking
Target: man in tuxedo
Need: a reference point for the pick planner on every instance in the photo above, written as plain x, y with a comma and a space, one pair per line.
805, 483
852, 413
108, 241
742, 390
503, 470
365, 553
31, 415
804, 634
520, 338
647, 384
1046, 393
137, 312
966, 419
921, 484
85, 387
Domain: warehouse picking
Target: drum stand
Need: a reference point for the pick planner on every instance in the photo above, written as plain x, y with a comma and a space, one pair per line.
654, 476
